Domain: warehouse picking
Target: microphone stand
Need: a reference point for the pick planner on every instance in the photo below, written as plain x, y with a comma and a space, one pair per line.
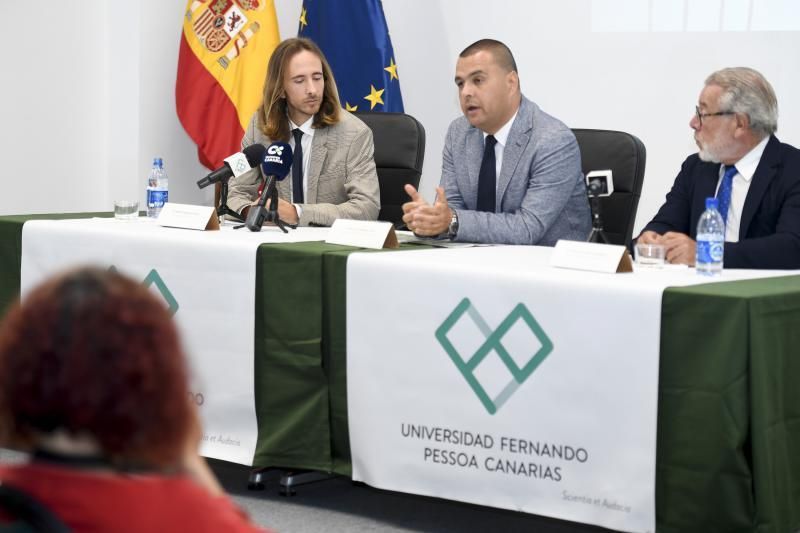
272, 213
258, 214
597, 235
222, 208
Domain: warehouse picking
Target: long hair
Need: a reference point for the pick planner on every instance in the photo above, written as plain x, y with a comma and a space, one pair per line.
272, 114
92, 352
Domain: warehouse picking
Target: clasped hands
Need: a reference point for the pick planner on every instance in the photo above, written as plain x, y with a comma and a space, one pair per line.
423, 218
679, 247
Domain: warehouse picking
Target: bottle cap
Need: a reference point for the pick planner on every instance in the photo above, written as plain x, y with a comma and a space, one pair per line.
712, 203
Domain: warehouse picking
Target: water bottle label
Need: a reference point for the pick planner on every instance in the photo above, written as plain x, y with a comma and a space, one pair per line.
709, 251
157, 198
716, 251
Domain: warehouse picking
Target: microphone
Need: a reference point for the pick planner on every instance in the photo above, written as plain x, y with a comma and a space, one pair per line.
254, 153
276, 165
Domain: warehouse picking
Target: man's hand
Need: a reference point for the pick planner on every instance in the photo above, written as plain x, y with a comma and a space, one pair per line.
287, 212
649, 237
409, 208
425, 219
680, 248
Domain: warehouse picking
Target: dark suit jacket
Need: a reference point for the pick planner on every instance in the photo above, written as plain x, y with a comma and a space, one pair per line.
769, 234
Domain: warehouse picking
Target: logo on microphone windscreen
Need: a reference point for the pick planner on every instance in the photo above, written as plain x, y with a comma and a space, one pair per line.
277, 160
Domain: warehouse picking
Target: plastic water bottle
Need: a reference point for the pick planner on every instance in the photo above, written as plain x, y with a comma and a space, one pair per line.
157, 188
710, 240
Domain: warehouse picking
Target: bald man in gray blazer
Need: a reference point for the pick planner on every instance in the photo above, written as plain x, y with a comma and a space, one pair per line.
535, 193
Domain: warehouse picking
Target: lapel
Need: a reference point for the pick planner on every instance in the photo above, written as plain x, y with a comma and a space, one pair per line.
707, 187
319, 148
762, 177
518, 138
474, 151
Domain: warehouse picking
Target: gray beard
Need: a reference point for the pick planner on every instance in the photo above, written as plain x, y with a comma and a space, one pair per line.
707, 156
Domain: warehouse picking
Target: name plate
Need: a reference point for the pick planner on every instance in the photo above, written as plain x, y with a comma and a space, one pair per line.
362, 233
197, 217
591, 256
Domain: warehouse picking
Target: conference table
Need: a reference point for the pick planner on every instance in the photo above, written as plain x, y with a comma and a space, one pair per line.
728, 425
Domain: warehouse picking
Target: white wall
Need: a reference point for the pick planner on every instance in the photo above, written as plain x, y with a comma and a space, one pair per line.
53, 107
83, 112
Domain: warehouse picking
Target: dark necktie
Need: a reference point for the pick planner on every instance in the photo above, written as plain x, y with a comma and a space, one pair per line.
724, 192
297, 168
487, 180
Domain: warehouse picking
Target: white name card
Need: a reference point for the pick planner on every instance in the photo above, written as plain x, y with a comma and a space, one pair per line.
362, 233
198, 217
591, 256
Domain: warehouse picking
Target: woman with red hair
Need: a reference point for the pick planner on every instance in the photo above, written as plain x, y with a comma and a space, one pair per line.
94, 383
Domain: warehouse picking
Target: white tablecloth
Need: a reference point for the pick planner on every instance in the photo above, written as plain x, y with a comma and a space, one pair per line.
208, 275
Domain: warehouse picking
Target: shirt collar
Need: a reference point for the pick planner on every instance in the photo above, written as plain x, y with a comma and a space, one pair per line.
305, 127
747, 165
502, 134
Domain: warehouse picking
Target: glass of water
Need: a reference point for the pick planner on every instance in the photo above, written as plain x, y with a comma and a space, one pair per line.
650, 255
126, 209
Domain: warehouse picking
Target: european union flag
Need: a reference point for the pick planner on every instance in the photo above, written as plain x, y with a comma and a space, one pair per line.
354, 37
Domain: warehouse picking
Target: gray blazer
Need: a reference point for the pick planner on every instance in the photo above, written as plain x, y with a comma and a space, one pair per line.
541, 196
342, 181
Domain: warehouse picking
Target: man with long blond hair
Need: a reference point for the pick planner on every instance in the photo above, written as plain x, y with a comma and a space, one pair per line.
333, 174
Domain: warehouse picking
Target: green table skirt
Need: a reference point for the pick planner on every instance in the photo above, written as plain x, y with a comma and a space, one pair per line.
11, 250
728, 452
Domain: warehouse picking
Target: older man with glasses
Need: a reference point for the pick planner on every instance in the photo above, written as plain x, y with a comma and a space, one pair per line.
755, 177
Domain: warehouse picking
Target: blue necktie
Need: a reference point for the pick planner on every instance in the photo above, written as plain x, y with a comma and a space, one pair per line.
724, 192
297, 168
487, 177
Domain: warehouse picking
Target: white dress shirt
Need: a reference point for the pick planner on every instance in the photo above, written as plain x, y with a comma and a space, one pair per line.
745, 168
502, 138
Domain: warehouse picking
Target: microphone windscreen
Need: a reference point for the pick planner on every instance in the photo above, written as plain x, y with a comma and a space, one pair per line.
277, 161
255, 154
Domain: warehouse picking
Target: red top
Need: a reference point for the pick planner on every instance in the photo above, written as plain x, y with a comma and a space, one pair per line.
92, 501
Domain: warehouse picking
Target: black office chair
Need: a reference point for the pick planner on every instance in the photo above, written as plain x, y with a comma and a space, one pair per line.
26, 514
625, 155
399, 153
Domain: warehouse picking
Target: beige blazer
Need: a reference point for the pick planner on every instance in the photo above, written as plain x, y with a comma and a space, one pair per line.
342, 181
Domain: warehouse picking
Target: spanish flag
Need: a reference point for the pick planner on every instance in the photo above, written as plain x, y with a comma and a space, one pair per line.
224, 51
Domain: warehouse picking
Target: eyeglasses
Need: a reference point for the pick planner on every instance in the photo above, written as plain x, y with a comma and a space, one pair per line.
700, 116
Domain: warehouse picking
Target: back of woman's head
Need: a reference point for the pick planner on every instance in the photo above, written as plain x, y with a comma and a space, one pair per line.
94, 354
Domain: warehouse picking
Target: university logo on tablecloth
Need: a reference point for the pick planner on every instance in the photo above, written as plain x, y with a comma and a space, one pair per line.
153, 278
493, 371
